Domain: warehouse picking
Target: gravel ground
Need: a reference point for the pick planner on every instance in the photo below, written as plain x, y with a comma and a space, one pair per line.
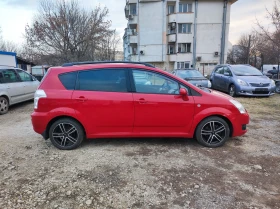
142, 173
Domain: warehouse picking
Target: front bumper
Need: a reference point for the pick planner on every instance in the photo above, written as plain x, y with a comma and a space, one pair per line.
239, 124
255, 91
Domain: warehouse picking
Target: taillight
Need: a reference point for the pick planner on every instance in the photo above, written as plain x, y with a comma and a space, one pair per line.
38, 94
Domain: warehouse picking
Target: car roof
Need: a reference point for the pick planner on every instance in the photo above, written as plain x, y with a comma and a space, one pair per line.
6, 66
105, 62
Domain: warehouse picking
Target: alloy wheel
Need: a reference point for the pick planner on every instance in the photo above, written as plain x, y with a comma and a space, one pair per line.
3, 105
65, 134
213, 132
232, 91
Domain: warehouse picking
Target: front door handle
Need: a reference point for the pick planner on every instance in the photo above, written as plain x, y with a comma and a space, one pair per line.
81, 99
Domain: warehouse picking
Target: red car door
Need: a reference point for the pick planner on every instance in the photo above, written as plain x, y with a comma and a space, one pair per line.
103, 102
159, 109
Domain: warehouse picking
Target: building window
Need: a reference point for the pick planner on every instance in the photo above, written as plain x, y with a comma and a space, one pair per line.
171, 9
185, 7
132, 9
171, 49
134, 49
184, 28
172, 28
184, 47
183, 65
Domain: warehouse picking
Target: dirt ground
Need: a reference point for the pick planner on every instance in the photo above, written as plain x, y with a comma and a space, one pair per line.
142, 173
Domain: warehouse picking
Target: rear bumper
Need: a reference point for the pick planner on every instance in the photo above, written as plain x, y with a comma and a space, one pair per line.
239, 124
255, 91
40, 122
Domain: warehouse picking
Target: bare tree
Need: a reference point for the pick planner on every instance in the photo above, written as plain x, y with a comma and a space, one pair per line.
270, 35
62, 31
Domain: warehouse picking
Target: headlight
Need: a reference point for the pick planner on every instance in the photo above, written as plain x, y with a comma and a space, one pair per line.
209, 84
242, 83
238, 105
272, 83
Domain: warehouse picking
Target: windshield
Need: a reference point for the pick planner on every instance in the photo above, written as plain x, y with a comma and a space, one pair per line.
245, 71
189, 74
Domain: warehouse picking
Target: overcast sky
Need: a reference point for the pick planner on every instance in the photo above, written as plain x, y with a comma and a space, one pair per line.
15, 14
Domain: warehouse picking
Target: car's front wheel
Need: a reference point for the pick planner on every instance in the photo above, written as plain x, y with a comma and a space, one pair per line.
4, 105
232, 91
66, 134
212, 132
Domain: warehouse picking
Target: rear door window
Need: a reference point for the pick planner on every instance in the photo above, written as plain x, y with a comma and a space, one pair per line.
9, 76
109, 80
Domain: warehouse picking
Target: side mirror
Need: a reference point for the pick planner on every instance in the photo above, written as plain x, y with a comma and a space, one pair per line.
183, 92
226, 74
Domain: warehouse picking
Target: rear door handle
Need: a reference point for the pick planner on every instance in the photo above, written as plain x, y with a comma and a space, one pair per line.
81, 99
142, 101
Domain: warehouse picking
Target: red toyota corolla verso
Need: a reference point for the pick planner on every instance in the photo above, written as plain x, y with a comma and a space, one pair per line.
102, 100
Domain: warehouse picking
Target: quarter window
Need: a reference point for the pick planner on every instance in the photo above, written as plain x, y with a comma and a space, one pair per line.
8, 76
184, 28
153, 83
110, 80
68, 80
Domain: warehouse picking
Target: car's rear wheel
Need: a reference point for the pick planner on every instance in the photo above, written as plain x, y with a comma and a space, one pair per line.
4, 105
212, 132
66, 134
232, 91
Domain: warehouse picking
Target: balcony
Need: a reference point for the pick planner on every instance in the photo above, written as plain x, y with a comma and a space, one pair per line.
133, 19
172, 57
171, 38
181, 17
133, 39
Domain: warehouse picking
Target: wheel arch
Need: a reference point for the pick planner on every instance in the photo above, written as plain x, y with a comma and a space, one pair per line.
6, 97
220, 116
53, 120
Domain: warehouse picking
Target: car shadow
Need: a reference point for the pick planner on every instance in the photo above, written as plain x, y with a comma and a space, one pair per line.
20, 105
173, 142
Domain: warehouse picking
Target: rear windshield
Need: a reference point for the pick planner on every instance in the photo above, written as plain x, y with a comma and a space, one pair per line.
189, 74
68, 80
245, 71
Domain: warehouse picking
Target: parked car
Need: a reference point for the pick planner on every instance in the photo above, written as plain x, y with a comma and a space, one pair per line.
241, 80
101, 100
16, 86
194, 77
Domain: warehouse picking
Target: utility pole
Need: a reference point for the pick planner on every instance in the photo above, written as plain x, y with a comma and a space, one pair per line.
248, 53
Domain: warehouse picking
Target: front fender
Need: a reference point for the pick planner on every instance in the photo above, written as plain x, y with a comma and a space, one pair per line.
212, 111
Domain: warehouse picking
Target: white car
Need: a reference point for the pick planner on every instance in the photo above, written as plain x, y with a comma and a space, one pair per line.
16, 86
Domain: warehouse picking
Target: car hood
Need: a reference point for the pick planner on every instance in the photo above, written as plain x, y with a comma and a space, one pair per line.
220, 94
254, 79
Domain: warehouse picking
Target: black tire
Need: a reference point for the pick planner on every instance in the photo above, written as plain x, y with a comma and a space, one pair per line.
4, 105
66, 134
277, 90
208, 136
231, 90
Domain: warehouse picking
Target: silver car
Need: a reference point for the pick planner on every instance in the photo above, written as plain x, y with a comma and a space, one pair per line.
16, 86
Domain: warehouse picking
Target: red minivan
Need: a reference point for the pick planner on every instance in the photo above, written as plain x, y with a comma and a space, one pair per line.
129, 99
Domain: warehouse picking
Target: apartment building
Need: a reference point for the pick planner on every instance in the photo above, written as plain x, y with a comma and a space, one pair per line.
176, 34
